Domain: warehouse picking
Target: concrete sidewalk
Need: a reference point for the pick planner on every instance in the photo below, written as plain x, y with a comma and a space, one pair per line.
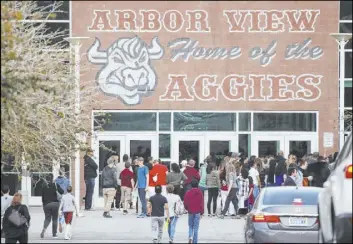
92, 227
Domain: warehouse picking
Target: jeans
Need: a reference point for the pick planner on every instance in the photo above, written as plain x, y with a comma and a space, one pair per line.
194, 223
51, 212
20, 239
157, 228
256, 191
89, 192
203, 189
212, 197
172, 226
142, 196
232, 197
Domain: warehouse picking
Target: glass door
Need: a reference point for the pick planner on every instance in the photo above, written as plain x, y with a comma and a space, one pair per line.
219, 146
189, 147
300, 145
263, 146
142, 146
103, 148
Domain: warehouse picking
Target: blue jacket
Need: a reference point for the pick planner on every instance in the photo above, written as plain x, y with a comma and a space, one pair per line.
63, 182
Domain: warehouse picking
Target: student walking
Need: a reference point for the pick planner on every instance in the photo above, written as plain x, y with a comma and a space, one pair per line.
51, 205
213, 185
157, 206
109, 185
12, 231
194, 204
142, 186
67, 208
127, 182
176, 209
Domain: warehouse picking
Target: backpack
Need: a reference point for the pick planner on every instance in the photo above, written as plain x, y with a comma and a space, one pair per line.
179, 208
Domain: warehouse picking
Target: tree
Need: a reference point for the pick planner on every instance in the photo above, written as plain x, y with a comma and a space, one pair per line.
38, 119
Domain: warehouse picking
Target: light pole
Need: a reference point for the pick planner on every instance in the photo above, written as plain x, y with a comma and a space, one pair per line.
341, 39
76, 43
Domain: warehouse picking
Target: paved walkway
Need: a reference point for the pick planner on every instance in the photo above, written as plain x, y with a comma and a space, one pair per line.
92, 227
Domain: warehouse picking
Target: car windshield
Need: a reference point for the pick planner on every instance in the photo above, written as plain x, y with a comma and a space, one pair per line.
290, 197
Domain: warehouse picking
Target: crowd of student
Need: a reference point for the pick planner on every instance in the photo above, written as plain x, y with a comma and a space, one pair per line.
166, 193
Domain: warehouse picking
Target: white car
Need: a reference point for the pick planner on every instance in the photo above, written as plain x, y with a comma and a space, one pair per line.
335, 201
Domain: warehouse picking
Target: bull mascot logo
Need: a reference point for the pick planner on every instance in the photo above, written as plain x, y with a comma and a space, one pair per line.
127, 72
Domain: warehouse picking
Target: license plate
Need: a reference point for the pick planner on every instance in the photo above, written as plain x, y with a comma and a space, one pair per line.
298, 221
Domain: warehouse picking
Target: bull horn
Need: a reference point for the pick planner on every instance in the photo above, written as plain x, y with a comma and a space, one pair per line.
155, 51
95, 56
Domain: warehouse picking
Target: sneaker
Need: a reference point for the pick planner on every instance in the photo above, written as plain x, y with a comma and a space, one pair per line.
107, 216
213, 215
141, 216
221, 216
118, 209
55, 236
125, 212
42, 234
209, 215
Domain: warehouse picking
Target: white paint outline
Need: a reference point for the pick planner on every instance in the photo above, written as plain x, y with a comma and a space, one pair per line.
189, 12
316, 85
116, 13
243, 77
283, 88
252, 85
276, 21
182, 23
296, 17
173, 92
143, 21
95, 17
261, 12
233, 13
205, 87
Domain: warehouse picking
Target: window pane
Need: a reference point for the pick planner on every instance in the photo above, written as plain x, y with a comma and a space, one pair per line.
244, 121
219, 149
164, 121
348, 97
124, 121
285, 197
39, 180
345, 10
13, 180
284, 122
299, 148
63, 28
106, 149
244, 145
164, 145
346, 28
62, 13
204, 121
189, 150
140, 149
348, 120
348, 65
267, 148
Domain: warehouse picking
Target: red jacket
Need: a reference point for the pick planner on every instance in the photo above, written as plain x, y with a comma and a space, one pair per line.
194, 202
191, 173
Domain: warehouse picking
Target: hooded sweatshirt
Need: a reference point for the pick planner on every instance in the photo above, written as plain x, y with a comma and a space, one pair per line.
191, 173
193, 201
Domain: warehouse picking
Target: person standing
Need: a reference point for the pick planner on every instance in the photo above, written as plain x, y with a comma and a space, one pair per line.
51, 205
14, 233
243, 192
158, 176
62, 181
142, 186
232, 193
119, 167
109, 185
290, 181
175, 208
194, 204
6, 200
67, 207
157, 206
90, 175
203, 174
175, 178
254, 173
127, 182
191, 173
281, 170
213, 186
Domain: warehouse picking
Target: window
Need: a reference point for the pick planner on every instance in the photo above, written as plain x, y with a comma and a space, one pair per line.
62, 12
164, 121
164, 145
244, 121
348, 96
204, 122
348, 65
348, 120
244, 142
285, 197
346, 10
284, 122
126, 121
